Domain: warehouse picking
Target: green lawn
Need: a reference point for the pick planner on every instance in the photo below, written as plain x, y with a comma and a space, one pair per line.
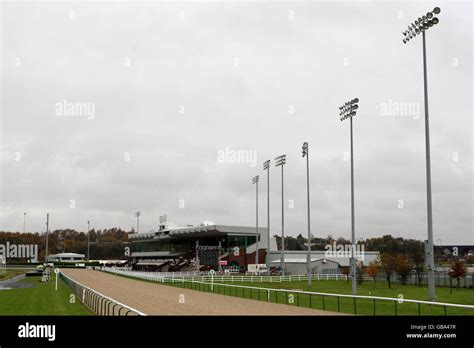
11, 273
346, 305
42, 299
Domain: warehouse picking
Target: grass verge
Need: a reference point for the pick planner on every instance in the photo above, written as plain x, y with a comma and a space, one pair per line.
11, 273
41, 299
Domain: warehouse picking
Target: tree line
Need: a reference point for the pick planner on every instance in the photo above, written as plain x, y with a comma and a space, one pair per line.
104, 244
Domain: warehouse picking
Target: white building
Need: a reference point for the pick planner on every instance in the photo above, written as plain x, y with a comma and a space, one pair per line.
66, 257
295, 261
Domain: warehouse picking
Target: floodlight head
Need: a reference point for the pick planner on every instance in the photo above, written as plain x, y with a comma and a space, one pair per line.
280, 160
266, 164
421, 24
349, 111
255, 179
305, 149
137, 214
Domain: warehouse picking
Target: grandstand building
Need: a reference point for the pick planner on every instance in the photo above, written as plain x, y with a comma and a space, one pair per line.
192, 248
209, 246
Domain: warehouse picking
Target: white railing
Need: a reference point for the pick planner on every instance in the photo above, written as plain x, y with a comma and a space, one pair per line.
157, 276
204, 276
97, 302
311, 293
213, 283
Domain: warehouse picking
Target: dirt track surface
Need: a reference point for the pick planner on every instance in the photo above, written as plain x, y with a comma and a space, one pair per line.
156, 299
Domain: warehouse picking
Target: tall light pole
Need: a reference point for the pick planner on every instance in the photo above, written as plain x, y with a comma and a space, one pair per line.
280, 161
137, 214
421, 25
255, 181
88, 237
24, 221
47, 235
266, 166
347, 111
305, 151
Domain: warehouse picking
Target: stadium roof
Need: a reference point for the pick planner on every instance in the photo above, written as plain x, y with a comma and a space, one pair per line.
66, 255
199, 231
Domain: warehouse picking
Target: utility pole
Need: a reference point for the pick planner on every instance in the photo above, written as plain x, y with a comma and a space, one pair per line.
137, 214
305, 151
280, 161
266, 166
88, 238
47, 236
255, 181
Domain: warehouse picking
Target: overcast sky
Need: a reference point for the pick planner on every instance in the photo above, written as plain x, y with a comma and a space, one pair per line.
170, 85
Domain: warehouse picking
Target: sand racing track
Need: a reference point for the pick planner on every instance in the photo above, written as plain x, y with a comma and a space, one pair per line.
157, 299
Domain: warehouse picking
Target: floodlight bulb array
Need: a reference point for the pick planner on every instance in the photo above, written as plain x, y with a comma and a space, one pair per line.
421, 24
305, 149
266, 164
348, 109
280, 160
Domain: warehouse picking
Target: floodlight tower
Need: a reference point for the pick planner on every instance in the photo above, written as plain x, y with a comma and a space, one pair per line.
47, 236
266, 166
305, 152
348, 110
421, 25
280, 161
88, 238
137, 215
255, 181
24, 221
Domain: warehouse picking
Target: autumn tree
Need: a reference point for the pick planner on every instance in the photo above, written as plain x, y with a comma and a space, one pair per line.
402, 267
387, 263
373, 269
469, 259
457, 271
